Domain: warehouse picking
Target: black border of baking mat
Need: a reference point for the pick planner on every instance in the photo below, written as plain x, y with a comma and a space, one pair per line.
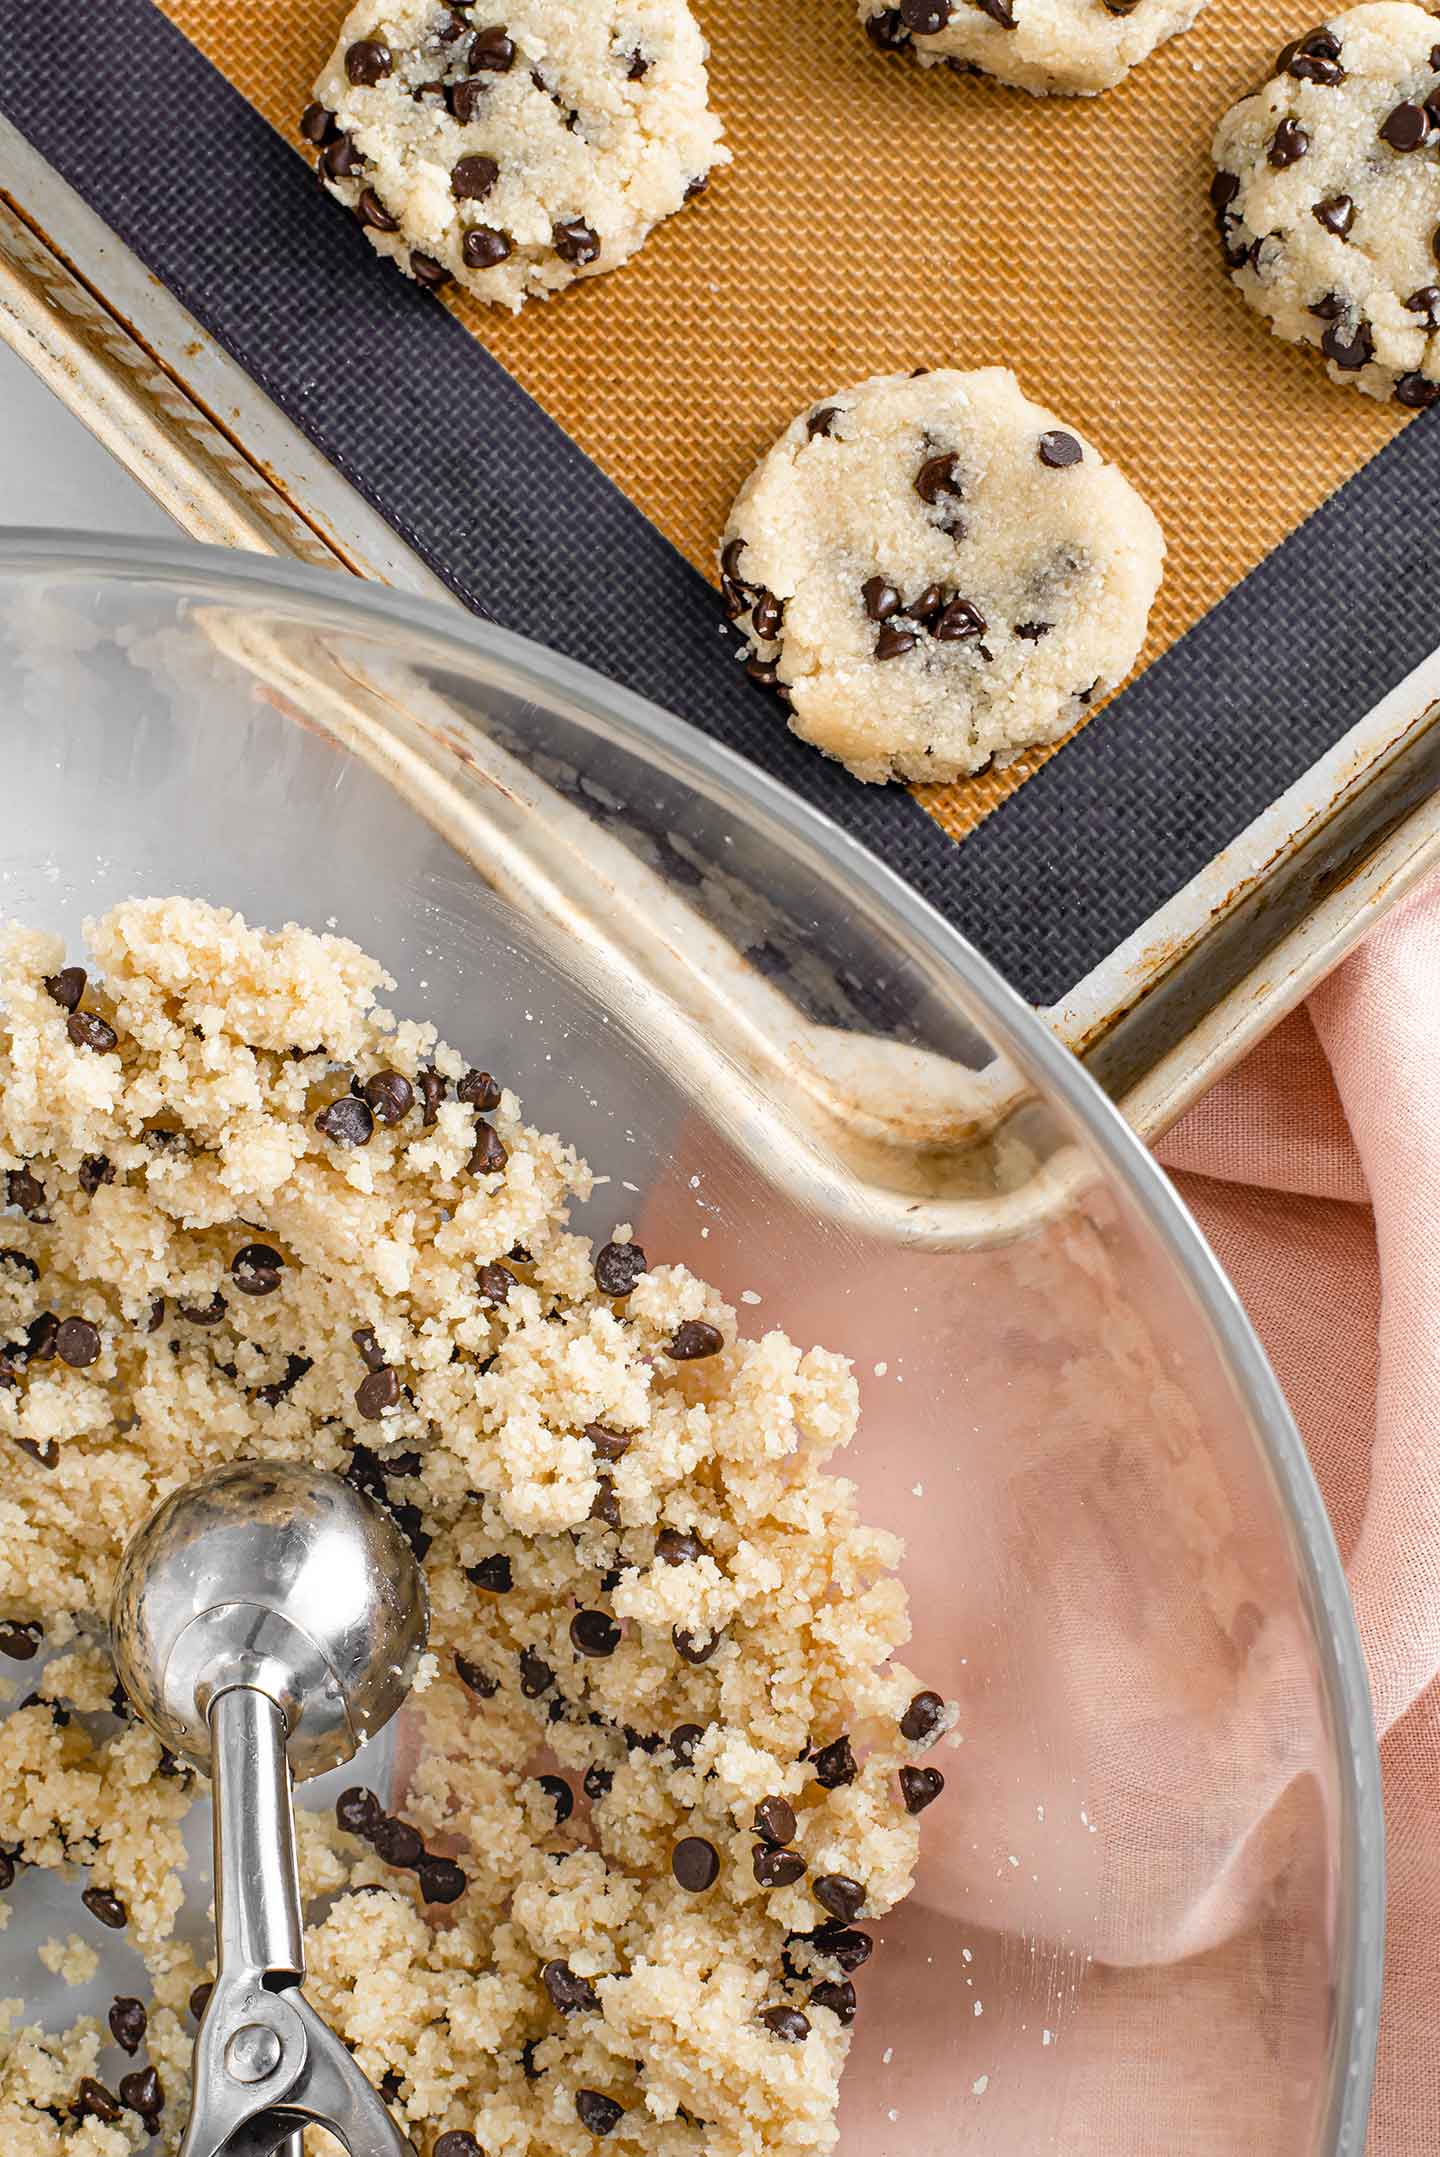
528, 530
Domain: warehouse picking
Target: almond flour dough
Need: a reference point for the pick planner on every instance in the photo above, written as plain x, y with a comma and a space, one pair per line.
1076, 47
936, 574
514, 145
1327, 193
666, 1765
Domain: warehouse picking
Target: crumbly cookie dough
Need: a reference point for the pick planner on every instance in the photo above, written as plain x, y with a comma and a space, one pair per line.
936, 574
514, 145
1066, 47
1327, 193
667, 1765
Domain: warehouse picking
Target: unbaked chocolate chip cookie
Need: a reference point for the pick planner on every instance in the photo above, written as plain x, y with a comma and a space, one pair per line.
936, 574
1072, 47
1327, 192
514, 145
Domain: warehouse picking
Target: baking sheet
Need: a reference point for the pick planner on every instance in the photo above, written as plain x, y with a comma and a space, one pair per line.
881, 216
485, 486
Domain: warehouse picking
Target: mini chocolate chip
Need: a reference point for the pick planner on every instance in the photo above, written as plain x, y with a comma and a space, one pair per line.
1001, 11
371, 211
441, 1879
695, 1648
493, 1284
368, 61
570, 1993
493, 51
1337, 214
618, 1267
1406, 127
20, 1641
376, 1392
610, 1445
359, 1812
1288, 145
840, 1999
776, 1868
25, 1191
599, 1782
87, 1031
605, 1505
397, 1843
256, 1269
695, 1864
493, 1573
881, 599
20, 1262
1223, 189
67, 987
478, 1681
637, 67
536, 1676
317, 126
834, 1764
480, 1089
597, 2111
1416, 392
696, 187
840, 1944
764, 672
7, 1870
391, 2084
637, 1741
840, 1895
432, 1089
143, 2092
348, 1121
200, 1998
1425, 302
926, 18
341, 160
775, 1821
893, 643
766, 617
128, 2022
1329, 308
959, 620
457, 2143
920, 1787
94, 2102
108, 1908
594, 1632
923, 1718
674, 1547
483, 248
1315, 57
887, 30
490, 1153
1349, 350
40, 1337
694, 1339
390, 1094
471, 180
575, 241
77, 1343
683, 1740
467, 98
937, 476
788, 2023
822, 422
1059, 450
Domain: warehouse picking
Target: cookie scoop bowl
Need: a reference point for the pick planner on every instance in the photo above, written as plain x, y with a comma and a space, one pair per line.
1159, 1837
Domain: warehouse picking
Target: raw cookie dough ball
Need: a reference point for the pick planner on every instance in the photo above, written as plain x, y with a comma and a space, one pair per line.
937, 574
1071, 47
1327, 191
514, 145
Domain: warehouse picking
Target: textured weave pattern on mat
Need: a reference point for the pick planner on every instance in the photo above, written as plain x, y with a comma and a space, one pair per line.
880, 216
444, 442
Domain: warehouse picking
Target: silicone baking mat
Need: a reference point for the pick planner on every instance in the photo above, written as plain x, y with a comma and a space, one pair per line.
877, 216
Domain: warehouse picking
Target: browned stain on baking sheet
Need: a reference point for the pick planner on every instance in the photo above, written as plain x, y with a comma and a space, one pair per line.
879, 217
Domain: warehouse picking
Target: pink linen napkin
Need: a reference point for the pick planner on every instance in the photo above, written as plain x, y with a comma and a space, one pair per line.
1315, 1172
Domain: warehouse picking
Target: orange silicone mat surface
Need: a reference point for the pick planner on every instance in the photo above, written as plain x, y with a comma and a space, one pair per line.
881, 216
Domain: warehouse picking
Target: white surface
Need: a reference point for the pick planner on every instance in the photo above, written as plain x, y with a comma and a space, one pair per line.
52, 472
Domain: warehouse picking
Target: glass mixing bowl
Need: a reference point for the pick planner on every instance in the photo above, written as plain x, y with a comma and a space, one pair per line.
1149, 1908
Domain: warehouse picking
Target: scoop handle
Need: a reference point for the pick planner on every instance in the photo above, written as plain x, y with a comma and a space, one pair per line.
257, 1883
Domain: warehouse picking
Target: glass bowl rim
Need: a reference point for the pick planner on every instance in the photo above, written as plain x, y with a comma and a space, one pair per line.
348, 601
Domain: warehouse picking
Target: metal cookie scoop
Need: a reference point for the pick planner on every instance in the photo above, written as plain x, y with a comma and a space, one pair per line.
268, 1611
